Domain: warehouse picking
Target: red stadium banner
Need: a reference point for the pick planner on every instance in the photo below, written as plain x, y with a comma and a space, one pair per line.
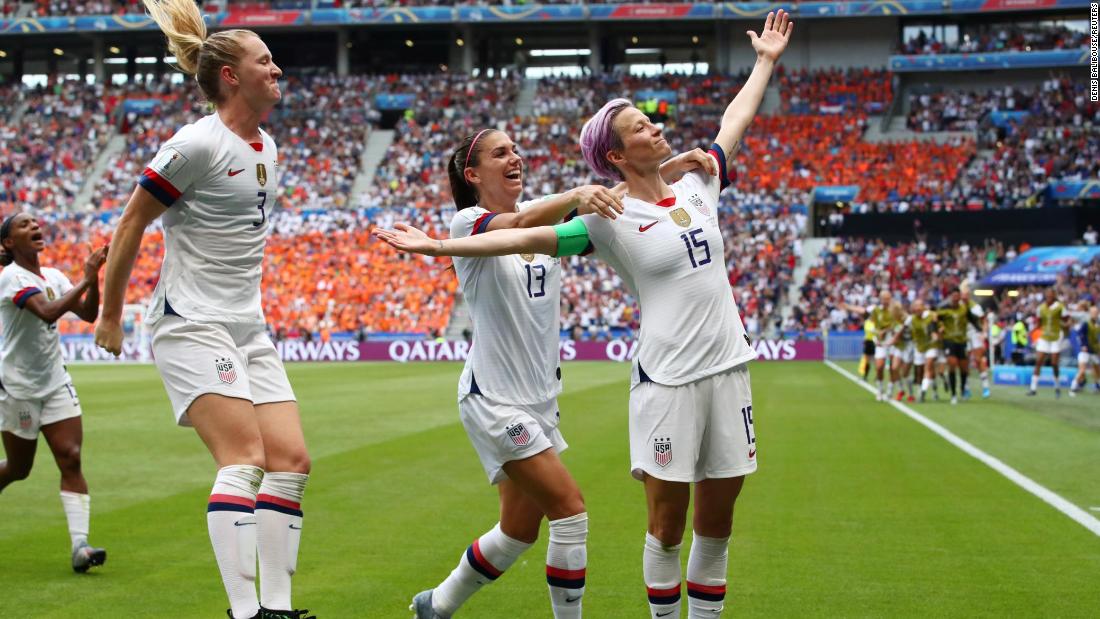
1016, 5
260, 17
651, 11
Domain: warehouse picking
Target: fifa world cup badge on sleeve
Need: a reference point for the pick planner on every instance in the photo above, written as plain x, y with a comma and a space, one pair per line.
681, 217
519, 435
261, 174
169, 162
226, 372
662, 451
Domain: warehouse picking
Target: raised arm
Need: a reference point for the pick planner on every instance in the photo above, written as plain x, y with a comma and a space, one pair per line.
142, 209
88, 309
769, 46
585, 199
51, 311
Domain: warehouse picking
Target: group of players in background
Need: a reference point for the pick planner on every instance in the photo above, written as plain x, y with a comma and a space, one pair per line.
936, 348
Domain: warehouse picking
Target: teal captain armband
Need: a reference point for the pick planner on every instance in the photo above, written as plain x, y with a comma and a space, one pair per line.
572, 238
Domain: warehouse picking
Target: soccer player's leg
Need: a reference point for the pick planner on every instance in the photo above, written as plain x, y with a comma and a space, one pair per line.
65, 438
230, 430
881, 354
1040, 359
279, 500
726, 456
666, 425
1055, 363
964, 370
1082, 373
19, 431
549, 485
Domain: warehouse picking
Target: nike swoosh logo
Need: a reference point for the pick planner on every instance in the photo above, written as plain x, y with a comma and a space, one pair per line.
570, 600
752, 454
643, 229
665, 614
295, 528
235, 172
242, 524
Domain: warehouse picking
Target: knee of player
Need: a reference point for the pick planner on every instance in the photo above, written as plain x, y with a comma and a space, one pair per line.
293, 461
19, 472
713, 524
300, 463
570, 505
68, 458
668, 528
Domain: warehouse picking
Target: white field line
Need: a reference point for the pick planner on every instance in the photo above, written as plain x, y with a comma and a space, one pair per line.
1049, 497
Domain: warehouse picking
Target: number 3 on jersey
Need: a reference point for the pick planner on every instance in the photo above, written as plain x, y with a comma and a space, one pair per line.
692, 242
535, 273
262, 195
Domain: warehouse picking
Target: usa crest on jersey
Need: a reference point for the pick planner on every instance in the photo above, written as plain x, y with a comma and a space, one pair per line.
519, 435
226, 372
662, 451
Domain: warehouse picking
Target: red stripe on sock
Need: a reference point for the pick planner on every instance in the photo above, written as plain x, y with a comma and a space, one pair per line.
719, 590
663, 592
229, 498
557, 572
485, 562
270, 498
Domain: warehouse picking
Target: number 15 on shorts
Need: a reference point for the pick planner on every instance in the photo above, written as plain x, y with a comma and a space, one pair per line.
746, 416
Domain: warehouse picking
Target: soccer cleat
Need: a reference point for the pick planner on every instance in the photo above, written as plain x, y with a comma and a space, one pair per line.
901, 396
1057, 394
985, 393
1073, 393
954, 400
422, 606
879, 397
922, 394
966, 394
267, 613
911, 398
86, 556
1031, 392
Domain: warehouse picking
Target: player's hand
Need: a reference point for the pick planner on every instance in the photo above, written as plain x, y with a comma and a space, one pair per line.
697, 159
409, 239
108, 336
597, 199
94, 263
772, 41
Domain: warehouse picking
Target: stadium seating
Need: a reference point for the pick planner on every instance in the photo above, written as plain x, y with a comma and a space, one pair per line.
1019, 37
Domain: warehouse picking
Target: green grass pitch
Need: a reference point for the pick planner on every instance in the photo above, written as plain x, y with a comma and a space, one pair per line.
857, 511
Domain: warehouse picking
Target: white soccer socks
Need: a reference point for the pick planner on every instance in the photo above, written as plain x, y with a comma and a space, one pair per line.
566, 562
1034, 382
78, 511
232, 525
706, 576
661, 570
484, 561
279, 531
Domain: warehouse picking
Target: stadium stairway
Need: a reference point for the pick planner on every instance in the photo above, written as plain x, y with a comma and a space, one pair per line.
811, 249
377, 142
525, 102
460, 320
115, 144
17, 115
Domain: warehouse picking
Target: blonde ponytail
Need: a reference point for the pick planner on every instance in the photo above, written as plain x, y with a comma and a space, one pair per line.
196, 53
181, 22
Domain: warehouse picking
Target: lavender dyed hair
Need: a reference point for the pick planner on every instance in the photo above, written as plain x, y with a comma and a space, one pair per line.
598, 137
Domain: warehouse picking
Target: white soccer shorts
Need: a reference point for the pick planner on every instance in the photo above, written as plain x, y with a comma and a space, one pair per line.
233, 360
934, 353
1050, 348
906, 353
506, 432
701, 430
885, 352
1087, 359
25, 418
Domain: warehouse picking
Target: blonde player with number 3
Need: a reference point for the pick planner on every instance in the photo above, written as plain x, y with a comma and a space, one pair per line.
690, 402
213, 184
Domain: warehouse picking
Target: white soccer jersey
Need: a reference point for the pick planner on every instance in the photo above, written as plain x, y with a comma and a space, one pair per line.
32, 366
515, 305
220, 190
672, 256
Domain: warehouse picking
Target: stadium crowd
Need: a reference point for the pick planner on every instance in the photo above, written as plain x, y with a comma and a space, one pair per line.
1020, 37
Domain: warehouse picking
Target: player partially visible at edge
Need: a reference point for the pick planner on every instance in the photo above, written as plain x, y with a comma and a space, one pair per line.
691, 417
215, 182
36, 391
1089, 355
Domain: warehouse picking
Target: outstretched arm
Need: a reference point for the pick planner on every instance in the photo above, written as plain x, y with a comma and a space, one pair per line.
769, 46
541, 240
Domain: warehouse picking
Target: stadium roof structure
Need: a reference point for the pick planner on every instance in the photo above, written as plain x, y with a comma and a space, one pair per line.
1041, 266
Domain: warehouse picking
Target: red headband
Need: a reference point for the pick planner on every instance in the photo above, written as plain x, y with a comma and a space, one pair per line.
470, 152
